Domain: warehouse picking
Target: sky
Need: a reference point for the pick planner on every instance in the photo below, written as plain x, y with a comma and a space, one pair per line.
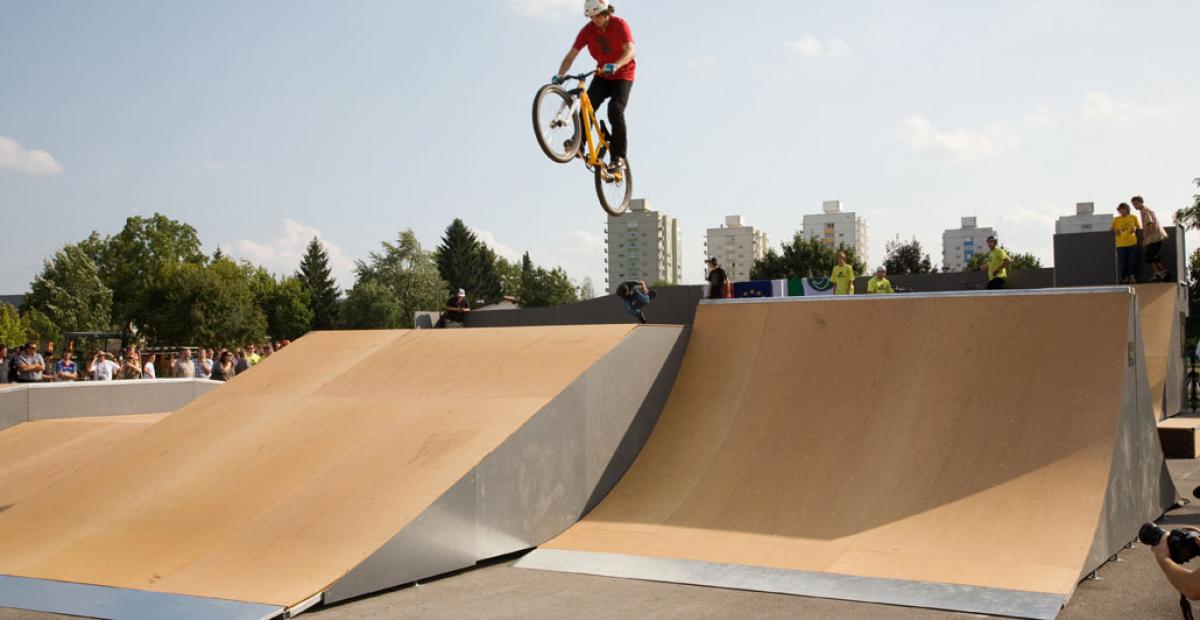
263, 124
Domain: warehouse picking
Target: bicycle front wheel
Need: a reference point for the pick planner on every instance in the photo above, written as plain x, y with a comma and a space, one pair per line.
556, 124
614, 189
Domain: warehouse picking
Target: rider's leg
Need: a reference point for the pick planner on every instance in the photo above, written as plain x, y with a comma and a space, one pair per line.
619, 91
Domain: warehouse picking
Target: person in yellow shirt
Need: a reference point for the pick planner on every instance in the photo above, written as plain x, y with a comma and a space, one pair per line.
880, 283
1125, 227
842, 276
997, 265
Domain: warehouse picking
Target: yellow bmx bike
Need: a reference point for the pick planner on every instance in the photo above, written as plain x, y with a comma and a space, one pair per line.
566, 127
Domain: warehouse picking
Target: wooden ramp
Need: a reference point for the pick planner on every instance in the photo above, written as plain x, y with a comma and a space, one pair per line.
347, 463
35, 454
978, 452
1161, 308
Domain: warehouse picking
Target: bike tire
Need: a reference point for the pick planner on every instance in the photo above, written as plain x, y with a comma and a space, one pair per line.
614, 198
546, 134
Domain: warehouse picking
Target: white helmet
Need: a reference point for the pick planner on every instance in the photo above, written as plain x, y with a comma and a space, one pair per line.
592, 8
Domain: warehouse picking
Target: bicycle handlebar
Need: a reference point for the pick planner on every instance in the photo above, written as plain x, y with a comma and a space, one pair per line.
581, 77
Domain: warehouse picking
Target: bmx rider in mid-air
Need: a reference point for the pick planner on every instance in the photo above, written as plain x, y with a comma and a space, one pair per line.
610, 42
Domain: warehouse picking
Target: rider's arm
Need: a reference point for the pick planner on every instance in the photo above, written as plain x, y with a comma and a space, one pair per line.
568, 60
627, 54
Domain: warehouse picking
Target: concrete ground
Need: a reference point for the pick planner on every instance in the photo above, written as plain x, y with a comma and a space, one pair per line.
1130, 589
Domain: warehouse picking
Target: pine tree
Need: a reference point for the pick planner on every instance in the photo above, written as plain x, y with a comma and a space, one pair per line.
321, 290
464, 262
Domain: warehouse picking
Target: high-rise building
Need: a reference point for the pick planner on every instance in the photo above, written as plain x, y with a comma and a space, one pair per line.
960, 244
835, 228
1084, 220
736, 246
642, 245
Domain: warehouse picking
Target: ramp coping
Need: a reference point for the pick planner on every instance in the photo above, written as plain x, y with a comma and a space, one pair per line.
78, 599
970, 599
1080, 290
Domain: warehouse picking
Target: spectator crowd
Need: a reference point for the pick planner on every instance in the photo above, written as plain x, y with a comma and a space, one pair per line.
25, 364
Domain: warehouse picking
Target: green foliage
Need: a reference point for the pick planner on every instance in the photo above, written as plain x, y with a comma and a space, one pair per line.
70, 292
284, 303
1025, 260
464, 262
317, 280
547, 288
12, 331
803, 258
393, 284
510, 277
373, 305
1192, 325
134, 261
906, 257
660, 283
39, 327
1020, 260
1189, 217
207, 304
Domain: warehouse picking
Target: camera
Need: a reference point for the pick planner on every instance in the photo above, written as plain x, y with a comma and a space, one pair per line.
1183, 545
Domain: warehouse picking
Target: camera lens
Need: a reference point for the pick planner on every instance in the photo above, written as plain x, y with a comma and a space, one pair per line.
1150, 534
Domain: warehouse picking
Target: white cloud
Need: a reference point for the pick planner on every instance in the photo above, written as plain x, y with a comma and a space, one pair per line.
16, 158
211, 166
813, 47
500, 249
959, 144
1040, 118
282, 255
1104, 107
1022, 229
546, 8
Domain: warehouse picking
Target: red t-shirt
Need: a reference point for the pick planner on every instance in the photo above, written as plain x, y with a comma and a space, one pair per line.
607, 45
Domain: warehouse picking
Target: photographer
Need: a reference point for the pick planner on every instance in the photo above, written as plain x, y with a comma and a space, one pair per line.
1184, 580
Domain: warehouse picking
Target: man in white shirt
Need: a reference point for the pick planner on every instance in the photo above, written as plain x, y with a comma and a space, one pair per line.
102, 368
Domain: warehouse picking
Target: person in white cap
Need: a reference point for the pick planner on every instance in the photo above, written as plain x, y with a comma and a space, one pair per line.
610, 42
456, 310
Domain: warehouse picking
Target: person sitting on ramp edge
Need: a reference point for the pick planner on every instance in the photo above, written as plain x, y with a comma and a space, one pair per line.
636, 296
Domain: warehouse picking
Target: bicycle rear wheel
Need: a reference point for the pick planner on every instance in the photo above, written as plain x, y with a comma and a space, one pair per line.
614, 189
555, 123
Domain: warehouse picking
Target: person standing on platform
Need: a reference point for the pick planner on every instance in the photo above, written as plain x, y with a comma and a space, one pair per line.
30, 364
880, 283
66, 369
1125, 227
1153, 236
842, 276
456, 310
998, 263
717, 279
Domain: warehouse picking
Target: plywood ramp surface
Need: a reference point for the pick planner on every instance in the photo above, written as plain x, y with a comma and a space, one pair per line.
960, 440
1158, 312
35, 454
275, 485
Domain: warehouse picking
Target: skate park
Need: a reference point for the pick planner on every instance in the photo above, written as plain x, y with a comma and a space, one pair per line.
708, 466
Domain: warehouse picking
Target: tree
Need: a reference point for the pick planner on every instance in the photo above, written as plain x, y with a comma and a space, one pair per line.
284, 303
906, 257
373, 305
39, 327
70, 293
1189, 217
464, 262
1192, 325
208, 305
802, 258
12, 332
1020, 260
547, 288
133, 262
510, 277
408, 275
317, 280
587, 289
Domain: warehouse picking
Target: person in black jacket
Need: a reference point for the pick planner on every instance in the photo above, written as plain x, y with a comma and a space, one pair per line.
716, 279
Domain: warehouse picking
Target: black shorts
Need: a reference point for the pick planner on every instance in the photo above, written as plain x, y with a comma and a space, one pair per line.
1153, 251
